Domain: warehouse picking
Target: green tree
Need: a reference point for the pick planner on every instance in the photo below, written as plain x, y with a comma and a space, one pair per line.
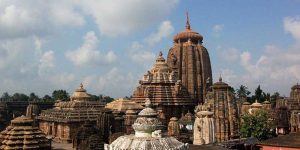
258, 125
20, 97
5, 97
47, 98
94, 97
33, 97
243, 92
60, 95
107, 99
259, 94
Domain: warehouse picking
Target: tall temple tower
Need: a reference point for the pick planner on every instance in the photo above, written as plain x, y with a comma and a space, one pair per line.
190, 59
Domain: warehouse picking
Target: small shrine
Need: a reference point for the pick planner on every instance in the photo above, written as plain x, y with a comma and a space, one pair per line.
63, 121
21, 134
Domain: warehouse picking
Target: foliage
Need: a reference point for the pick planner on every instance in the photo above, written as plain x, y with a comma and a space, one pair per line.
258, 125
47, 98
56, 95
243, 92
106, 99
33, 97
259, 94
20, 97
60, 95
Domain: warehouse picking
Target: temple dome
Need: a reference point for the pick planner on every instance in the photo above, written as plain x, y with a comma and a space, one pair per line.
220, 84
256, 104
80, 94
188, 34
297, 86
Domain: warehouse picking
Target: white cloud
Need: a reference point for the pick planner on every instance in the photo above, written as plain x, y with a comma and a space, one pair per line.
46, 61
164, 30
113, 18
88, 54
124, 16
217, 29
113, 83
138, 54
292, 25
21, 19
230, 55
275, 71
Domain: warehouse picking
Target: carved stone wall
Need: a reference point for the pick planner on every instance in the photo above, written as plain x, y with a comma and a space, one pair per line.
223, 105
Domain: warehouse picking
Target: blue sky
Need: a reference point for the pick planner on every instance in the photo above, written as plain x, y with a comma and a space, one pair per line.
109, 45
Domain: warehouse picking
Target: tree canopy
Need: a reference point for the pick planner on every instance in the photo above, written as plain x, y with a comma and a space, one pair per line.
258, 125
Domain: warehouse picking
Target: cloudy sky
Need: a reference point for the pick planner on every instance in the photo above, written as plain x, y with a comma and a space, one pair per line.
109, 45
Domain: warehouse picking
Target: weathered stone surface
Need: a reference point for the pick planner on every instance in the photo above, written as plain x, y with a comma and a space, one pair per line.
106, 124
173, 127
88, 137
130, 117
222, 103
204, 126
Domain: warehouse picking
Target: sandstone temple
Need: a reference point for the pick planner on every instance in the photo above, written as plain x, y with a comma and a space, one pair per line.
67, 117
189, 59
166, 92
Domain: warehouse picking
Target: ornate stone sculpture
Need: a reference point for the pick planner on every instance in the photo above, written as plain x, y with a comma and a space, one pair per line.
147, 134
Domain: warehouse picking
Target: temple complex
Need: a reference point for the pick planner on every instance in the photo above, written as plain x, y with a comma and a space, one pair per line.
166, 92
221, 101
147, 134
190, 61
63, 121
21, 134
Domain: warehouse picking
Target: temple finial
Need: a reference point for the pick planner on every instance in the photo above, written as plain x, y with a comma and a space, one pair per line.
220, 78
187, 26
81, 85
160, 53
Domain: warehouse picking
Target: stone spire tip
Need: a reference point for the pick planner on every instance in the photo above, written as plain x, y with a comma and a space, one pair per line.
187, 26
